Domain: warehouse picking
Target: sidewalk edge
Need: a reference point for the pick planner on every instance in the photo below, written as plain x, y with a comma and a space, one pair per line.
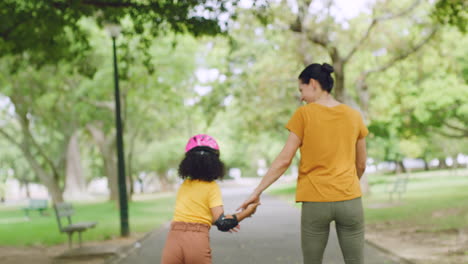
129, 249
387, 251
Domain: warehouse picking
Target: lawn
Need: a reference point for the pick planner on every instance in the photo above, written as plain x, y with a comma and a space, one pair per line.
144, 216
434, 200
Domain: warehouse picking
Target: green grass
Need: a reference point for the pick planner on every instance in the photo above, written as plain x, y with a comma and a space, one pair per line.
433, 201
143, 217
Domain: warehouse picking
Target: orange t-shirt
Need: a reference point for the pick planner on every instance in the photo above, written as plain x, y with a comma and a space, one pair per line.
327, 170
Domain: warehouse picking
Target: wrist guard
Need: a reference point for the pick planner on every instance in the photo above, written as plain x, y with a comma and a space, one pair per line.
226, 224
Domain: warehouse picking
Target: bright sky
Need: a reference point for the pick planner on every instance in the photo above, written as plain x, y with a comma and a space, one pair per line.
6, 109
342, 9
345, 9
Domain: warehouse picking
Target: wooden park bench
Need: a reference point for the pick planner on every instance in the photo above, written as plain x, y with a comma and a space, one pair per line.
36, 205
65, 210
398, 186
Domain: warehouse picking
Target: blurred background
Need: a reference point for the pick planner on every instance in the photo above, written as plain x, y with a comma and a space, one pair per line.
229, 69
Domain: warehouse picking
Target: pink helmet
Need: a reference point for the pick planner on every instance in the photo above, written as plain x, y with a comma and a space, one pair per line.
201, 140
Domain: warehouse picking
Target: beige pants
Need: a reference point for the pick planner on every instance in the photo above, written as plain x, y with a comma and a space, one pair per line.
187, 243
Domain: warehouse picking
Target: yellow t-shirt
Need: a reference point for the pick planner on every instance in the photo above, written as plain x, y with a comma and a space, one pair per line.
194, 201
327, 170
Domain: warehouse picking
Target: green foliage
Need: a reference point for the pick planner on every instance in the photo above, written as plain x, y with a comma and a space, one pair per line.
59, 100
45, 103
452, 12
419, 99
50, 31
258, 81
162, 155
417, 107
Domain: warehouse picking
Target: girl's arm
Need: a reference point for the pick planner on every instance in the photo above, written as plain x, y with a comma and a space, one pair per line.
219, 210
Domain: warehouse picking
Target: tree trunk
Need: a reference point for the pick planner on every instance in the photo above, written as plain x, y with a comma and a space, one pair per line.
164, 181
339, 86
142, 185
442, 163
400, 167
426, 165
75, 185
130, 187
25, 184
130, 178
28, 192
48, 180
107, 148
111, 171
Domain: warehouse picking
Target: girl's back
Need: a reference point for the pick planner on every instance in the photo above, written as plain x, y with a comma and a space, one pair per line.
195, 198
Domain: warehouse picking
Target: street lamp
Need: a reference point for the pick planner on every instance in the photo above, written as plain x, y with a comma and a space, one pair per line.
114, 32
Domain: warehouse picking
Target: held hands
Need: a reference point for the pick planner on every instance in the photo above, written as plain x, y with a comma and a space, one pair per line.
251, 209
253, 199
248, 212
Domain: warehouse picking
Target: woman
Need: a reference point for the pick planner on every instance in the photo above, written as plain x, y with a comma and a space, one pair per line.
331, 138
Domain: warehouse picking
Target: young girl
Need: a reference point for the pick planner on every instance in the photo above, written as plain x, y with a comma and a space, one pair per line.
199, 205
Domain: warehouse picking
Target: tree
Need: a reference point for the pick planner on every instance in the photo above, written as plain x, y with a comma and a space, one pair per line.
429, 94
367, 48
452, 12
14, 165
41, 123
44, 32
51, 30
322, 29
419, 106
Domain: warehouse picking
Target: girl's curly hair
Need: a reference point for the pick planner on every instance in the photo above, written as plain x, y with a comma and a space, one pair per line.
202, 163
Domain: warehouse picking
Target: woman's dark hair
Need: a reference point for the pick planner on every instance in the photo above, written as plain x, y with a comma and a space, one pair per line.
202, 163
318, 72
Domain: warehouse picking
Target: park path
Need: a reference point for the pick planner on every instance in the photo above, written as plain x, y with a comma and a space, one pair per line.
271, 236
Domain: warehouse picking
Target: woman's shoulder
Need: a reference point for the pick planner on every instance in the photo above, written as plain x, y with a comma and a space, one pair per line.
350, 109
317, 107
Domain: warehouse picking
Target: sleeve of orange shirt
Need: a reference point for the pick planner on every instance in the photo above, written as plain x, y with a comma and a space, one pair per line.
363, 131
296, 123
215, 198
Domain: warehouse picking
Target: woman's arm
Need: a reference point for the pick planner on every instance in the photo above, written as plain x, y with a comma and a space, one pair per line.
277, 168
361, 157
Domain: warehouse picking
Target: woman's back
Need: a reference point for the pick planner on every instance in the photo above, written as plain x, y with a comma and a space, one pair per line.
327, 170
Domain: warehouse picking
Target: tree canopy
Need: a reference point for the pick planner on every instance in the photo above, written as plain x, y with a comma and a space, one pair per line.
405, 70
50, 30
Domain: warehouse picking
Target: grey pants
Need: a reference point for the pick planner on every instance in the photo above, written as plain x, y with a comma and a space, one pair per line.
315, 227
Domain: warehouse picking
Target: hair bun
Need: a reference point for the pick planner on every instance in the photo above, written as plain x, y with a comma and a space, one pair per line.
327, 68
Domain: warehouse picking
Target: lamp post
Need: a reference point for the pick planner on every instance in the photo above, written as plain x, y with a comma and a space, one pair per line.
114, 32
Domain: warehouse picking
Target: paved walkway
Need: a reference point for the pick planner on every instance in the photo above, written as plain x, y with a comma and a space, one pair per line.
271, 236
